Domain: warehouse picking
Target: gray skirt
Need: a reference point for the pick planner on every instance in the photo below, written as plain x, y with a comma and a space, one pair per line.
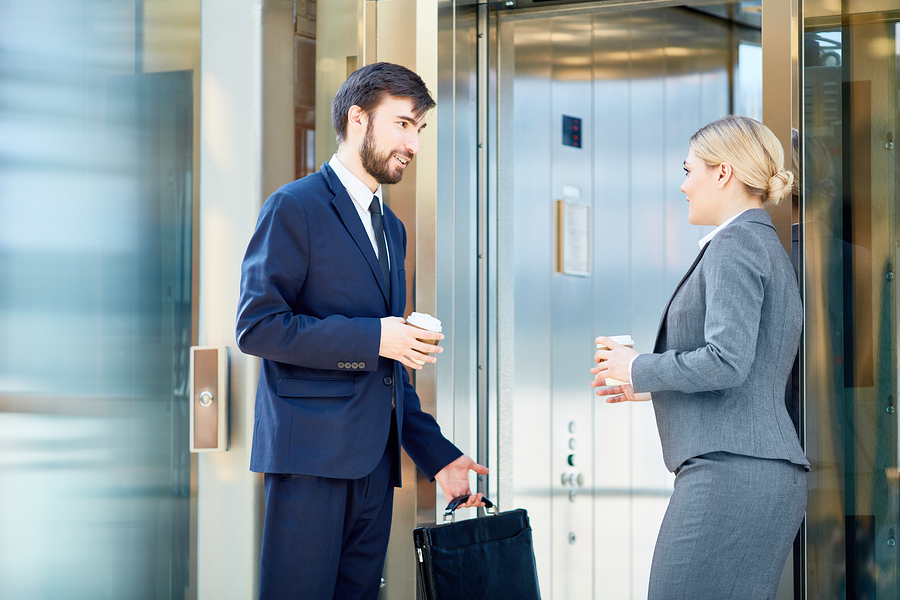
728, 528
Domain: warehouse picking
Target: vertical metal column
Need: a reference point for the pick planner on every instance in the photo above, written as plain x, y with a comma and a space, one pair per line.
782, 105
483, 249
781, 87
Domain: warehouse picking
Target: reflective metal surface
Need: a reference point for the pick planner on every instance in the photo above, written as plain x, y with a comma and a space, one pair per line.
781, 95
97, 196
849, 222
642, 82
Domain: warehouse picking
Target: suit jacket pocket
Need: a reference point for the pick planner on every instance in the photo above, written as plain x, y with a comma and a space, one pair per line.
297, 387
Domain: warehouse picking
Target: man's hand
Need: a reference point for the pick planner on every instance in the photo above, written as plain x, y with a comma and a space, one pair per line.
402, 343
454, 480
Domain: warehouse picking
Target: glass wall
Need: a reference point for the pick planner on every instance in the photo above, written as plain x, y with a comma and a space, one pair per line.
850, 253
97, 188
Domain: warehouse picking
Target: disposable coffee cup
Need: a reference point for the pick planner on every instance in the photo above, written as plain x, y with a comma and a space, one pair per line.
426, 322
622, 340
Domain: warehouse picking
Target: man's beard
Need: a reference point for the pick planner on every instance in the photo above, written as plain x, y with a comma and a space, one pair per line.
379, 165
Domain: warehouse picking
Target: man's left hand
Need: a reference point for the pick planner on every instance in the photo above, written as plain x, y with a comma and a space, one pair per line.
454, 480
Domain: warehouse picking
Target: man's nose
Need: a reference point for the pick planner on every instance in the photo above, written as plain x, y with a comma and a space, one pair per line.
412, 143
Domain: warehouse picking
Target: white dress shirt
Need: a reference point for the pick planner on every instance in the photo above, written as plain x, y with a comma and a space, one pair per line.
706, 238
362, 198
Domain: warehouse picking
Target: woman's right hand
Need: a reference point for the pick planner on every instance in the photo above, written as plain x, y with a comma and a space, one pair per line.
621, 393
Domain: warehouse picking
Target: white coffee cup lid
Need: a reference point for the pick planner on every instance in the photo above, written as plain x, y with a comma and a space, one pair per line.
424, 321
623, 340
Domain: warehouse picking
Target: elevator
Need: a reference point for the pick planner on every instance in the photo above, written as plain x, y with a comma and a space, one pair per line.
594, 112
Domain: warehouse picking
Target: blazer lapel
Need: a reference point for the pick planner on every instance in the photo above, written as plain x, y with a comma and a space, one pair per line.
662, 321
349, 215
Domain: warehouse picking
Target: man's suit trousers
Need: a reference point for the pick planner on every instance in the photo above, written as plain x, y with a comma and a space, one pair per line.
327, 538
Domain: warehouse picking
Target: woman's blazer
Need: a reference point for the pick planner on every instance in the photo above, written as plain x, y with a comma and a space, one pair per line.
724, 350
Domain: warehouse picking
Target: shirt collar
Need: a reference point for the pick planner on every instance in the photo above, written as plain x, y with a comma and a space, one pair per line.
708, 237
359, 191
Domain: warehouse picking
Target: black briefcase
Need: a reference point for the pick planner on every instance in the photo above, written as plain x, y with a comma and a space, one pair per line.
490, 558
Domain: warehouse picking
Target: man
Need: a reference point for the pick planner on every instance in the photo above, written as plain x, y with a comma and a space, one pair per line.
323, 289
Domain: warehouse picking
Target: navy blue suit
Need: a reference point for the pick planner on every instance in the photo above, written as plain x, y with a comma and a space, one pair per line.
312, 296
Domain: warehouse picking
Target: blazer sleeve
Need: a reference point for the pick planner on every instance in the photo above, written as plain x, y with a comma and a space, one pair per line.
734, 283
421, 437
272, 276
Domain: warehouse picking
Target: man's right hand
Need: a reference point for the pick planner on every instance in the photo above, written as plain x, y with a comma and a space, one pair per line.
399, 342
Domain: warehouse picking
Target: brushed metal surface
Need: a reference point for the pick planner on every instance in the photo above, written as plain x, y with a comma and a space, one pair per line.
532, 218
781, 101
570, 315
642, 82
206, 379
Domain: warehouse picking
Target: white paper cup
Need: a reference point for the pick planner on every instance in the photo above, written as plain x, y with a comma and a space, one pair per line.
426, 322
622, 340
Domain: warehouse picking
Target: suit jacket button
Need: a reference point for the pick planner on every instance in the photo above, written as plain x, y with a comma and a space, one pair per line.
362, 365
341, 365
388, 381
355, 365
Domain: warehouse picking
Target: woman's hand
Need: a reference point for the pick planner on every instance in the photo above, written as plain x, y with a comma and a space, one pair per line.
621, 393
612, 363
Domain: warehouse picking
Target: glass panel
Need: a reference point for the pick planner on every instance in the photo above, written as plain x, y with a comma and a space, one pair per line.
96, 202
849, 225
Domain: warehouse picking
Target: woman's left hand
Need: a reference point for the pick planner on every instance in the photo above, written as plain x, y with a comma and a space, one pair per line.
621, 393
612, 363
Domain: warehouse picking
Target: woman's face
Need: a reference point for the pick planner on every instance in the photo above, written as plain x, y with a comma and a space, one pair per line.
701, 186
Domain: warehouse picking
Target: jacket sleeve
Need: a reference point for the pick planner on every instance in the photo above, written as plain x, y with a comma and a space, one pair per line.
421, 437
272, 276
734, 284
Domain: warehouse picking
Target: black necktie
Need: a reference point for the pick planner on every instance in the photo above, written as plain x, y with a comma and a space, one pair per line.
375, 209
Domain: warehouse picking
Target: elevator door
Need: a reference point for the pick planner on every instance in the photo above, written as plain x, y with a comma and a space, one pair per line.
850, 249
594, 117
96, 203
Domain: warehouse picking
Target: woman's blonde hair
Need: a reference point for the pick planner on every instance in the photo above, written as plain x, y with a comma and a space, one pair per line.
752, 150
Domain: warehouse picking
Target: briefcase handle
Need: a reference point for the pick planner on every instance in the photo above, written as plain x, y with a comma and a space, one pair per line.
450, 515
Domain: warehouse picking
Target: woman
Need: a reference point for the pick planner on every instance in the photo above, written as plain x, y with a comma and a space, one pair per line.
717, 375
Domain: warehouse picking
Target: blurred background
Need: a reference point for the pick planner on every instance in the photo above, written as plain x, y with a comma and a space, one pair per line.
98, 163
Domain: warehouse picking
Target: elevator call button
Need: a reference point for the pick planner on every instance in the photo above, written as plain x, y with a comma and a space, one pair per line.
571, 131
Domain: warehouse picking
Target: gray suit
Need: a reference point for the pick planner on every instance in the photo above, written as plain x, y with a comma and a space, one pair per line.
725, 348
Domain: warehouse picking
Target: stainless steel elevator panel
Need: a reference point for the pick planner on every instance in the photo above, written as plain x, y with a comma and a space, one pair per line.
570, 315
531, 205
642, 82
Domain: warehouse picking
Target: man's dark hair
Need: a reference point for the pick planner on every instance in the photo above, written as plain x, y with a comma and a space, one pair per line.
366, 88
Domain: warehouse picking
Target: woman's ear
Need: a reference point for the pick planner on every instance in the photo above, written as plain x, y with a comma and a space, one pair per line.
724, 174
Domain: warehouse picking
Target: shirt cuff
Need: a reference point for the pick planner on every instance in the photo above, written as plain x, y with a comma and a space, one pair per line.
630, 378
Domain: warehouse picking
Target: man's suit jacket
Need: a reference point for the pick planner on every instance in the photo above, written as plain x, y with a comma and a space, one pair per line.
312, 296
725, 347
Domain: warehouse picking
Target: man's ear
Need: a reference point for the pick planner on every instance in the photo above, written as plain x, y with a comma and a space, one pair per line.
357, 119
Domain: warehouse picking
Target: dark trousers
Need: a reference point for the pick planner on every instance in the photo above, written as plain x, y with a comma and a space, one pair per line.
327, 538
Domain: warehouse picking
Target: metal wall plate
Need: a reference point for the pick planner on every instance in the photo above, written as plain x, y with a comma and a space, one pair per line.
209, 429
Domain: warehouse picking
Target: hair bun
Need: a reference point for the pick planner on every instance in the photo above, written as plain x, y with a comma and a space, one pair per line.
779, 186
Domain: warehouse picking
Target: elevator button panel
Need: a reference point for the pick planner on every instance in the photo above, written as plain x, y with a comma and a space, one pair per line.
209, 399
